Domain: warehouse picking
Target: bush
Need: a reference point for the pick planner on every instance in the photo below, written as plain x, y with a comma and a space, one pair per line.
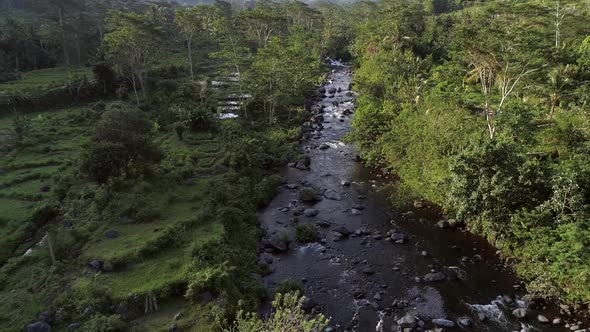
196, 116
490, 181
290, 286
121, 144
306, 233
309, 194
102, 323
285, 305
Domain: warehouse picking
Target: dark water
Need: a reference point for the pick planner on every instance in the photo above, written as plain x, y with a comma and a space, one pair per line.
343, 277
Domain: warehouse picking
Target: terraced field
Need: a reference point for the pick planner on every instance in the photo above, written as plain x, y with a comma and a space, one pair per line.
28, 174
174, 215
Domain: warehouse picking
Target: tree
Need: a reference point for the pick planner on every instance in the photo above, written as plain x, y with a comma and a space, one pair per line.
560, 79
122, 142
283, 71
288, 316
132, 46
492, 73
196, 21
302, 15
262, 22
235, 54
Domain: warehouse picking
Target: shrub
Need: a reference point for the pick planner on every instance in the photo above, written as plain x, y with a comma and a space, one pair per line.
196, 116
308, 194
122, 143
306, 233
288, 316
490, 181
102, 323
290, 286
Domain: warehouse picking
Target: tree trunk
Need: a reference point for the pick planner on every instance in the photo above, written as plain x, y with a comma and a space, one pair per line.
142, 83
63, 38
190, 56
134, 88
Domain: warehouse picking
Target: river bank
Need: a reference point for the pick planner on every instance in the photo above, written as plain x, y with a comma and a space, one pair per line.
373, 266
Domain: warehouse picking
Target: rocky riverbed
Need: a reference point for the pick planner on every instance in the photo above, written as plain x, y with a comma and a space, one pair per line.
372, 268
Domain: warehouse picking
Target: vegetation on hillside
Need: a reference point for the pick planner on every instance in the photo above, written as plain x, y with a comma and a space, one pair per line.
140, 138
483, 109
128, 202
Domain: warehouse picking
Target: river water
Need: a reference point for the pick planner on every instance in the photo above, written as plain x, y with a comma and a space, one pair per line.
360, 281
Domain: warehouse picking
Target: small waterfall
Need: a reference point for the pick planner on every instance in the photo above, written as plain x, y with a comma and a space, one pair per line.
492, 311
381, 324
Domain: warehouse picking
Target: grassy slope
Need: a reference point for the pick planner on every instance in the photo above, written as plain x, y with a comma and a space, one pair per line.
36, 82
181, 208
51, 148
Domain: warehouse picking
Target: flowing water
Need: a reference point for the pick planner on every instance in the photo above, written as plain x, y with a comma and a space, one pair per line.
362, 281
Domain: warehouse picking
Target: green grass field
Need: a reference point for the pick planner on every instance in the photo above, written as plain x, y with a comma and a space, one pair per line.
36, 82
51, 146
29, 177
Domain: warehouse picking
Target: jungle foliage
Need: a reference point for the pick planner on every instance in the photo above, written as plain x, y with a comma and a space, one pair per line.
482, 108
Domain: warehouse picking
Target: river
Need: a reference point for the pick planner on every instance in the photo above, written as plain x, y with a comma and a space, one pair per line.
366, 278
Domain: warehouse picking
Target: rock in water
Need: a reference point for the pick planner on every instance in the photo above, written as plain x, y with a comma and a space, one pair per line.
519, 313
311, 212
434, 276
408, 321
333, 195
342, 230
278, 243
323, 223
443, 322
356, 212
542, 319
465, 321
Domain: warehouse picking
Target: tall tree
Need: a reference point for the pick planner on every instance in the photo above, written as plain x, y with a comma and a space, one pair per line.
132, 46
196, 21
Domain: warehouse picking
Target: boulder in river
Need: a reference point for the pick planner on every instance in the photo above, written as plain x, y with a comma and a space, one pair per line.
443, 224
443, 322
399, 237
542, 319
323, 223
318, 118
303, 164
333, 195
434, 276
279, 243
356, 212
519, 312
408, 321
465, 321
342, 230
311, 212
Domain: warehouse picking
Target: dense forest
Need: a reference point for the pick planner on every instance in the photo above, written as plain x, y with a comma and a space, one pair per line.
484, 111
140, 138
